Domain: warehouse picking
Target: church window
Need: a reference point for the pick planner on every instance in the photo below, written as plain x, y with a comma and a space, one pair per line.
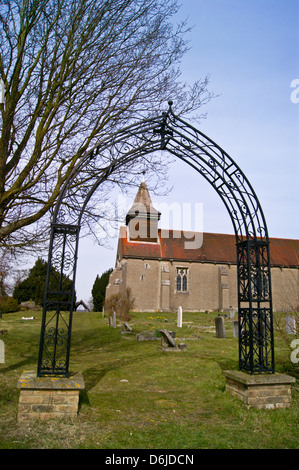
182, 279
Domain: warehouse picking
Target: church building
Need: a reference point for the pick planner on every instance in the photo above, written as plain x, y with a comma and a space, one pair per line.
166, 269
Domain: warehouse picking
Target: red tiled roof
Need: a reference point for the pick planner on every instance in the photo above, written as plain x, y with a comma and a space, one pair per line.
137, 249
202, 247
284, 252
215, 247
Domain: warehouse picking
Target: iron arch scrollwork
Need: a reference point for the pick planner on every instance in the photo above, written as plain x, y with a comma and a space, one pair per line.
166, 132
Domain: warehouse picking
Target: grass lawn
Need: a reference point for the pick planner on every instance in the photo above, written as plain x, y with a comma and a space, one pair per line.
139, 397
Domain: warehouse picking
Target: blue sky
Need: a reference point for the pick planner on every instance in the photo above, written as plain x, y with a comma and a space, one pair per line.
250, 50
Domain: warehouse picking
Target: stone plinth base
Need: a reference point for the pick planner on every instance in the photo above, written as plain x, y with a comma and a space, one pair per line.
48, 397
264, 391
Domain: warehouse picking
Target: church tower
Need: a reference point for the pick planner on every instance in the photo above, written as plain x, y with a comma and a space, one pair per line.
142, 219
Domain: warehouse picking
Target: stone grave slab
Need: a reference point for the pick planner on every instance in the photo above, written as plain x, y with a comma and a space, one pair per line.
146, 337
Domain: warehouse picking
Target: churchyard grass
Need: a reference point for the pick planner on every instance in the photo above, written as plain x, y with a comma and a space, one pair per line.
140, 397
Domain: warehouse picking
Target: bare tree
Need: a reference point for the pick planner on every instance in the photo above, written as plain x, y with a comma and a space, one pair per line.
74, 71
10, 272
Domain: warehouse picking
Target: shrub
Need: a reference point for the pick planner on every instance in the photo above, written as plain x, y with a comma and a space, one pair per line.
121, 304
8, 305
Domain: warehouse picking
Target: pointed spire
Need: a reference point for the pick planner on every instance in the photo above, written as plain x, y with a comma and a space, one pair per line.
143, 211
143, 198
142, 204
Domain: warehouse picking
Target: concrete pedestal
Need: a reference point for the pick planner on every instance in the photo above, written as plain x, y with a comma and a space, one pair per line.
48, 397
263, 391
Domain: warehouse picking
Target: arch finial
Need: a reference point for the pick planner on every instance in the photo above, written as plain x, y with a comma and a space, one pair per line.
170, 103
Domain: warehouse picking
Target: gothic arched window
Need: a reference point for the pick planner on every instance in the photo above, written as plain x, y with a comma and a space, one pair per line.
181, 279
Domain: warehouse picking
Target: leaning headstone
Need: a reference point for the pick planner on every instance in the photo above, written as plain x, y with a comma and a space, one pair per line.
290, 325
220, 328
168, 342
2, 360
126, 328
236, 328
167, 339
180, 317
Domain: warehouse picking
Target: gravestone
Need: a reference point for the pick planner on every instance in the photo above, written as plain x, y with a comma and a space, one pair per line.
167, 339
236, 328
2, 354
232, 312
180, 317
261, 329
220, 328
168, 342
126, 328
146, 337
112, 320
290, 325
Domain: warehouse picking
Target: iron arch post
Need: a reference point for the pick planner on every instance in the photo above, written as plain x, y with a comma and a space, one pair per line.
166, 132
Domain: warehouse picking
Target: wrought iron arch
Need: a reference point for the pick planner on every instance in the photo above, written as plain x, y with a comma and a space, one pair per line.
164, 132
